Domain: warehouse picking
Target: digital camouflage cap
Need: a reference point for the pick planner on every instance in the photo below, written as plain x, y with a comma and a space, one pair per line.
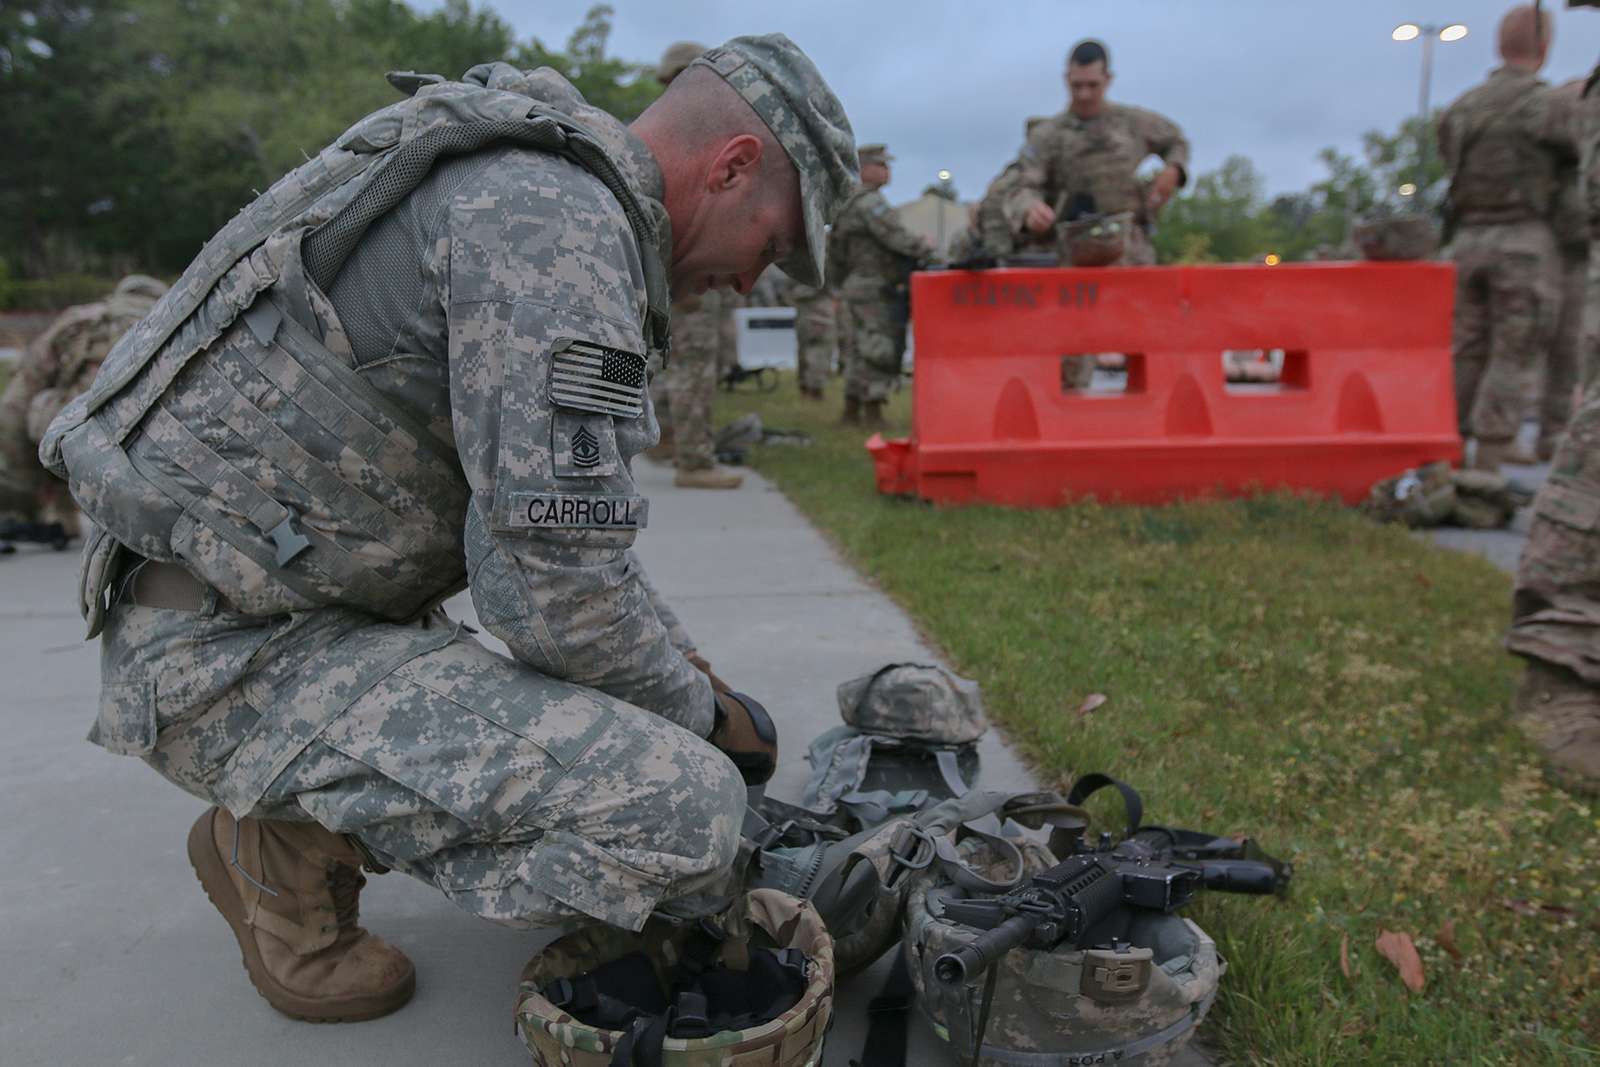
874, 153
783, 86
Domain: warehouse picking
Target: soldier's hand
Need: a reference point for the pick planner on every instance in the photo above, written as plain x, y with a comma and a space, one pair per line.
1163, 186
1039, 219
745, 732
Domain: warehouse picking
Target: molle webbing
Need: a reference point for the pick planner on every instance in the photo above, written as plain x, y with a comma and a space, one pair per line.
326, 250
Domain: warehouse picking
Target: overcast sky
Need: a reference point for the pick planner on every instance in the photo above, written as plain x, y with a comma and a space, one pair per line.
948, 84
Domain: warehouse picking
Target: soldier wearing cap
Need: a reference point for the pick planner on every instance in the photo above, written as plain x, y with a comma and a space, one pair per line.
1086, 159
303, 450
683, 390
871, 254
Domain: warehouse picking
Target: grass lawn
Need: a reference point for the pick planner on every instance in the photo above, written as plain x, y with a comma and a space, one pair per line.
1283, 668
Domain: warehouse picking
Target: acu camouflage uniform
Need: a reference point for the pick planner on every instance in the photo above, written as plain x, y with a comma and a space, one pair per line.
1503, 143
815, 333
873, 253
1555, 610
1068, 157
683, 391
349, 409
1571, 230
60, 363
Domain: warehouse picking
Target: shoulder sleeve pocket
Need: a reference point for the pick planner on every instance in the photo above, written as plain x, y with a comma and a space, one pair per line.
1568, 506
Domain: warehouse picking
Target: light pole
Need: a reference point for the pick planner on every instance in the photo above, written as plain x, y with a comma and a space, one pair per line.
1410, 31
944, 180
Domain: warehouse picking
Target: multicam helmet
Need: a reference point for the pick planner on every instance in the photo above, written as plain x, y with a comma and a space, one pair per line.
1096, 240
768, 920
1137, 1000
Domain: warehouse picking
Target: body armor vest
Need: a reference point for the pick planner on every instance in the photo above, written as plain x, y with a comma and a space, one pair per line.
192, 445
1501, 172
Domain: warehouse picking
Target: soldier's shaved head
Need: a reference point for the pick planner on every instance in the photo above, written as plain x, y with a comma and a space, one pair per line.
732, 193
1525, 36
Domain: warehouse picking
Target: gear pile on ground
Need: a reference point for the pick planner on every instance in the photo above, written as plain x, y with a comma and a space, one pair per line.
1437, 495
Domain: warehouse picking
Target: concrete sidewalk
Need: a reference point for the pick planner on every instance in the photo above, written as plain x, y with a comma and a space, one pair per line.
113, 954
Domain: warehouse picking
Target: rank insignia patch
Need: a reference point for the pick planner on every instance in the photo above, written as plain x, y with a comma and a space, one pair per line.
591, 377
585, 448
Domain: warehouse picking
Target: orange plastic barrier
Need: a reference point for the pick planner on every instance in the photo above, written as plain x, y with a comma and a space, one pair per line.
1366, 388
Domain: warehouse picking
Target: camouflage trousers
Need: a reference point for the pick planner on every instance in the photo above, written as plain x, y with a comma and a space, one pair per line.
526, 800
683, 391
22, 478
814, 330
1077, 372
1566, 348
875, 345
1555, 613
1507, 300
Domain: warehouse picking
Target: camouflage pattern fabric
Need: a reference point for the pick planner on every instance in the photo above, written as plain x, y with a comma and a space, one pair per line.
1504, 143
1556, 605
1070, 156
1436, 495
1507, 299
815, 333
1137, 1005
915, 701
685, 388
57, 366
1569, 223
871, 253
793, 1039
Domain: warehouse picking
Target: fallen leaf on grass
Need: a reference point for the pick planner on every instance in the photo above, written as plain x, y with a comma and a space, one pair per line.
1090, 702
1344, 955
1529, 909
1400, 950
1424, 581
1447, 939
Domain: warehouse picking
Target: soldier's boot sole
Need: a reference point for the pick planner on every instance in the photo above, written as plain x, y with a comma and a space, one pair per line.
211, 867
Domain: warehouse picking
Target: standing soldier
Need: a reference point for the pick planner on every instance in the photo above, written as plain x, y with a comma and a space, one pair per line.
684, 389
1571, 232
1504, 146
999, 227
873, 253
60, 363
1086, 160
1555, 610
815, 319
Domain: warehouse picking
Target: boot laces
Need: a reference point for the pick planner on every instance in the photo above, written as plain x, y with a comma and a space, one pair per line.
344, 885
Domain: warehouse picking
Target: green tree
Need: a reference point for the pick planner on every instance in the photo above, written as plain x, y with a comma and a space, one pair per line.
622, 87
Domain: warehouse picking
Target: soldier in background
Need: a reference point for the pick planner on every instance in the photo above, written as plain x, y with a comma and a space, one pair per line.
702, 335
58, 365
1571, 233
815, 334
1555, 609
1090, 155
1085, 161
1504, 146
873, 254
999, 225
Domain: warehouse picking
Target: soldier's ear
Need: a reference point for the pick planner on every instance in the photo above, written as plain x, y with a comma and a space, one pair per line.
737, 162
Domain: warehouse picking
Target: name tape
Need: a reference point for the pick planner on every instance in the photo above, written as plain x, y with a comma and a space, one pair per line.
573, 511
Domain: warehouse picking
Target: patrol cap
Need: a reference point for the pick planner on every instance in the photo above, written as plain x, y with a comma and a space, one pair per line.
874, 153
783, 86
676, 58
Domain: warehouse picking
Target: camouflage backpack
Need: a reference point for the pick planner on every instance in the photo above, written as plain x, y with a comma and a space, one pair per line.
1395, 235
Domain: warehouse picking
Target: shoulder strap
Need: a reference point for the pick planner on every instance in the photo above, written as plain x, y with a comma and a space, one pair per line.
1090, 784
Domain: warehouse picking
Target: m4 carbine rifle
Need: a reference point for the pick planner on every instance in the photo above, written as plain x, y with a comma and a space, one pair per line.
1154, 869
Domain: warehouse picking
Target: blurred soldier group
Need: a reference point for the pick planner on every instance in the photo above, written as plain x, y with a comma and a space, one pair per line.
58, 365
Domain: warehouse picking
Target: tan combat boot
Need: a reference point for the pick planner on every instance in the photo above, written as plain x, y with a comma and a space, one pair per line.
852, 412
1560, 714
302, 947
872, 415
707, 478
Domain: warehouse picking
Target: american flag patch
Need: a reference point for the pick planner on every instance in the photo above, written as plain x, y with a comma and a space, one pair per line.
591, 377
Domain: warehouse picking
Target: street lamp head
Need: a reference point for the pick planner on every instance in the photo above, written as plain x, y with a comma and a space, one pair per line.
944, 175
1407, 189
1453, 32
1407, 31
